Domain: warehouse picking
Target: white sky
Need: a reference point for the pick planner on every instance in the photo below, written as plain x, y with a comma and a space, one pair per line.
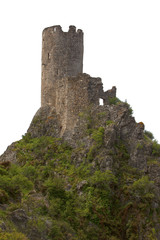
121, 45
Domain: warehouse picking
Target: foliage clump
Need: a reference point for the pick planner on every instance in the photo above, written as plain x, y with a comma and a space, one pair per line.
109, 122
114, 100
149, 134
156, 149
98, 137
76, 201
12, 236
129, 107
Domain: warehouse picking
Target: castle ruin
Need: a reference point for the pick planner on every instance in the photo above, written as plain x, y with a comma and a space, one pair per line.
64, 85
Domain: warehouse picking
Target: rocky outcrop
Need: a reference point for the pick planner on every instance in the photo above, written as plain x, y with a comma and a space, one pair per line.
9, 155
105, 138
117, 121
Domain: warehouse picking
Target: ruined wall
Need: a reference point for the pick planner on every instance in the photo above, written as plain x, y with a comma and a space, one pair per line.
73, 95
62, 56
64, 86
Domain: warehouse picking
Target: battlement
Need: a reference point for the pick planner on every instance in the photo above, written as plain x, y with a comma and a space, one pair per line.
58, 29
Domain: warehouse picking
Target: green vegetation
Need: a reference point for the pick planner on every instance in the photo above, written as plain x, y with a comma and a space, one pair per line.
101, 115
114, 100
12, 236
149, 134
129, 107
139, 145
78, 202
109, 122
97, 135
156, 149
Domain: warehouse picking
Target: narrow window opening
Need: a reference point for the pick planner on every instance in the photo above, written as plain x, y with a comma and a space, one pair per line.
55, 29
48, 56
101, 102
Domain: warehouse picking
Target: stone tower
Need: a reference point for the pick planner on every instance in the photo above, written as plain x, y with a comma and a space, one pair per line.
64, 87
62, 56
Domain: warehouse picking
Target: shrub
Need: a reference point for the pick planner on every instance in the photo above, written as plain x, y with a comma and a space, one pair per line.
102, 178
29, 172
139, 146
16, 184
98, 135
12, 236
109, 122
149, 134
6, 183
22, 183
156, 149
91, 152
130, 110
61, 231
3, 171
55, 188
26, 138
143, 188
3, 196
114, 100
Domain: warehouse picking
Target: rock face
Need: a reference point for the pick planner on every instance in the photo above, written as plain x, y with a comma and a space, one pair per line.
117, 121
106, 143
83, 170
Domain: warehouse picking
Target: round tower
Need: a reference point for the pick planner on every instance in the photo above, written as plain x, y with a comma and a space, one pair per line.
62, 56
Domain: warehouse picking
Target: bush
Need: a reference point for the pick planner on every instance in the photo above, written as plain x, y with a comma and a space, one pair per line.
156, 149
3, 171
61, 231
130, 110
22, 183
91, 152
3, 196
98, 135
12, 236
29, 172
100, 179
55, 188
149, 134
114, 100
6, 183
143, 188
109, 122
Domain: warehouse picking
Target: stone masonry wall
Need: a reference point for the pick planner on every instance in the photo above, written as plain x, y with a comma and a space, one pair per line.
64, 86
73, 95
62, 56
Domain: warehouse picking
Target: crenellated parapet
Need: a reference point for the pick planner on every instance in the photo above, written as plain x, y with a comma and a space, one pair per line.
58, 29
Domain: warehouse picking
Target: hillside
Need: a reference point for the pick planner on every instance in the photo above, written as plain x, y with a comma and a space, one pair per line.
83, 171
102, 182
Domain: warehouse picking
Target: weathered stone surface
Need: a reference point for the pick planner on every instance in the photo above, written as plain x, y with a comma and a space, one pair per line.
64, 87
62, 56
9, 154
19, 218
45, 123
